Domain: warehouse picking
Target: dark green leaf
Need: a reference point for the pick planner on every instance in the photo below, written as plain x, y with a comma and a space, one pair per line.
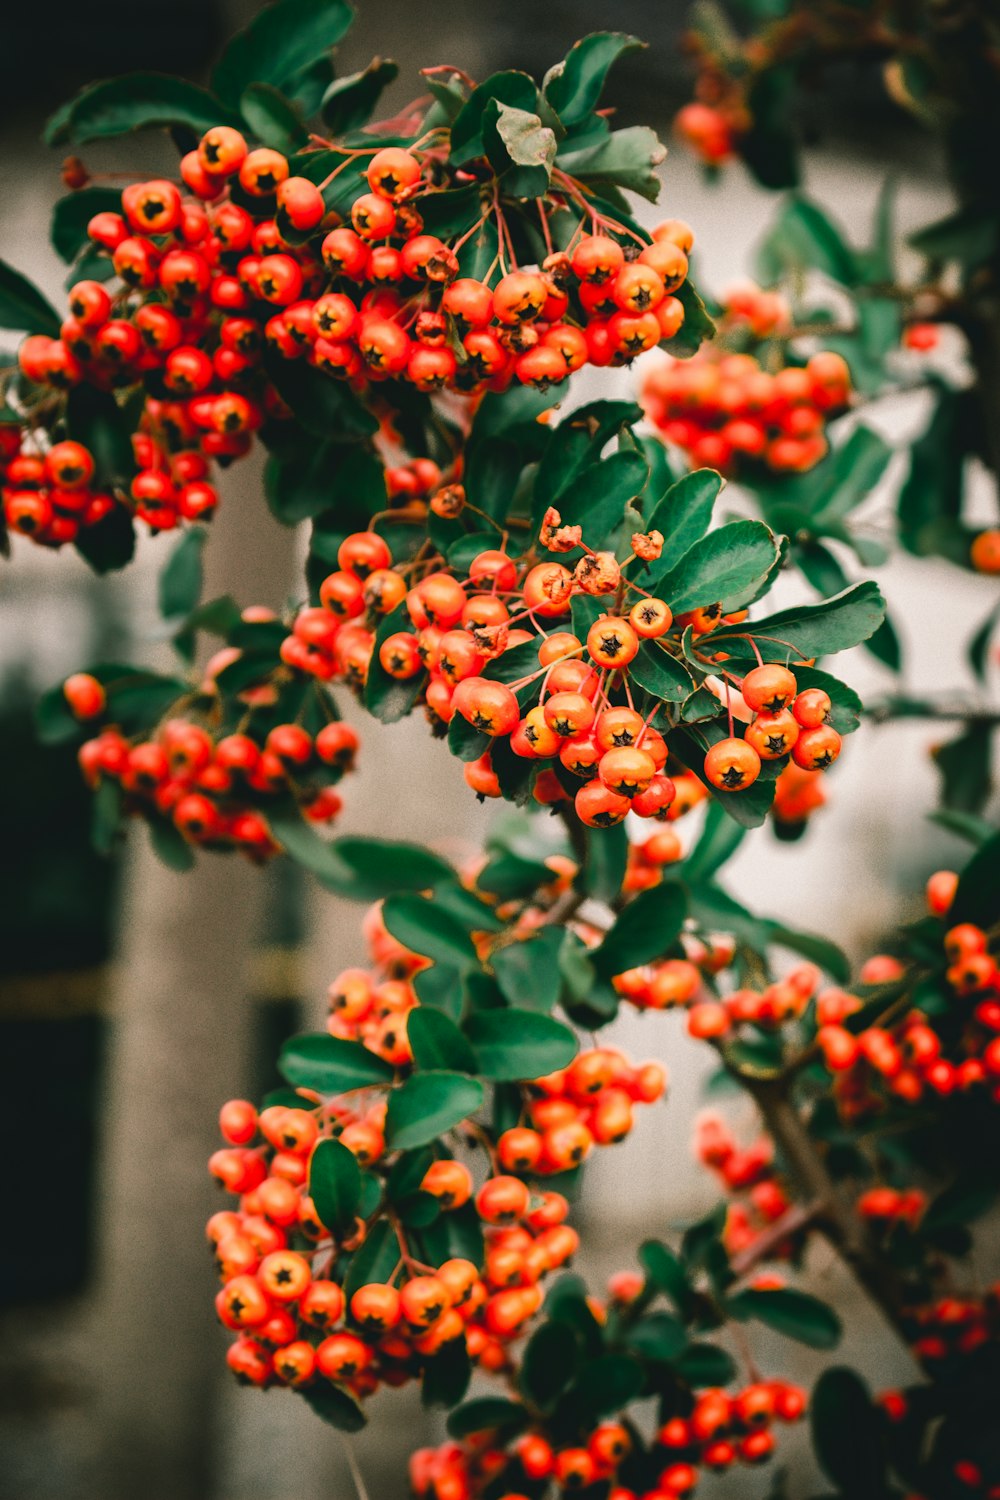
684, 514
962, 1202
976, 897
719, 839
349, 102
574, 86
625, 158
106, 815
705, 1364
487, 1414
697, 325
658, 1336
280, 42
72, 214
809, 630
793, 1313
134, 101
427, 1105
606, 1384
447, 1374
22, 306
728, 565
970, 235
604, 870
963, 825
335, 1406
372, 868
179, 585
851, 473
426, 928
648, 926
94, 418
977, 652
110, 544
519, 147
467, 135
665, 1273
272, 118
319, 403
846, 1433
334, 1184
512, 1044
660, 673
169, 845
549, 1364
965, 764
331, 1065
803, 237
528, 972
436, 1041
376, 1260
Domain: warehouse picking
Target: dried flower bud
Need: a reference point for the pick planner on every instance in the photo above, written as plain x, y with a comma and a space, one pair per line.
557, 537
647, 544
597, 573
74, 173
449, 501
491, 640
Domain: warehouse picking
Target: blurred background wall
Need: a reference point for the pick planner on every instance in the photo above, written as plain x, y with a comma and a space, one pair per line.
133, 1000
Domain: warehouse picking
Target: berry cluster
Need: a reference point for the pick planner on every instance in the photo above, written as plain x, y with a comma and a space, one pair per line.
285, 1291
213, 780
241, 265
579, 722
732, 409
722, 1429
750, 1173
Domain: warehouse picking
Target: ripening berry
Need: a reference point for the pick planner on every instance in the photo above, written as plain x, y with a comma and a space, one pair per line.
376, 1308
85, 695
342, 1356
423, 1300
600, 807
626, 770
502, 1200
768, 688
940, 892
450, 1182
242, 1304
284, 1275
612, 642
238, 1122
811, 708
262, 171
773, 735
222, 150
816, 749
984, 554
574, 1469
651, 618
519, 297
322, 1304
391, 171
488, 706
731, 765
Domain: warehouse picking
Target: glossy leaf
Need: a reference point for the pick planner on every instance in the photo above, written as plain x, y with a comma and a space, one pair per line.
334, 1184
487, 1414
528, 972
978, 884
376, 1259
606, 1384
22, 306
684, 514
349, 102
574, 86
705, 1364
72, 214
809, 630
179, 585
644, 930
840, 1408
803, 237
135, 101
549, 1364
333, 1405
429, 1104
94, 418
280, 43
331, 1065
273, 118
665, 1273
519, 147
512, 1044
658, 1336
428, 929
789, 1311
511, 88
372, 868
727, 565
625, 158
446, 1374
658, 672
436, 1042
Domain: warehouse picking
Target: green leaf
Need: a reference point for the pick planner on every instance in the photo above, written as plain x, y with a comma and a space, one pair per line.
373, 868
625, 158
520, 148
803, 237
334, 1184
684, 513
72, 214
303, 844
179, 585
705, 1364
456, 1233
793, 1313
437, 1043
376, 1260
604, 868
697, 325
349, 102
106, 815
961, 1202
970, 235
665, 1273
549, 1364
600, 493
22, 306
514, 1044
977, 652
606, 1384
320, 404
169, 845
512, 88
976, 896
658, 1336
727, 565
660, 673
963, 825
528, 972
426, 928
647, 927
333, 1405
930, 500
280, 42
331, 1065
95, 419
851, 473
110, 544
769, 147
576, 442
818, 950
574, 86
809, 630
447, 1374
842, 1409
719, 839
965, 764
135, 101
272, 118
487, 1414
427, 1105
